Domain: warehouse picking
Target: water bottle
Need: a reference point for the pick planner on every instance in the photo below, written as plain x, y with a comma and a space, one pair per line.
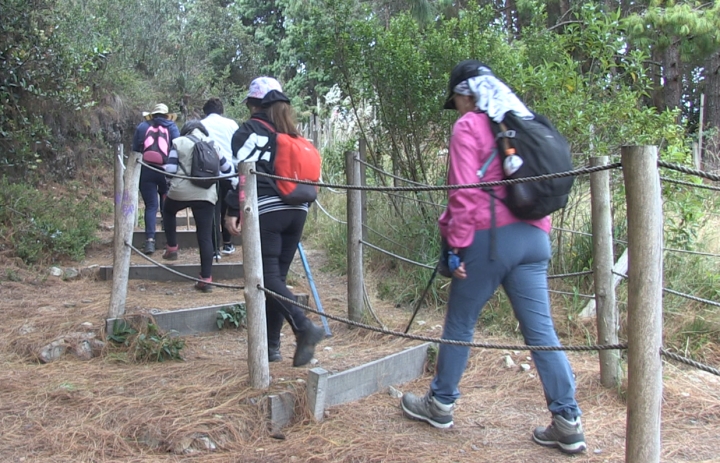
512, 164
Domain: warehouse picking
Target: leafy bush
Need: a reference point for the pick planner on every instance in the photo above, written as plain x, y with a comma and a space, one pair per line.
145, 342
232, 315
42, 227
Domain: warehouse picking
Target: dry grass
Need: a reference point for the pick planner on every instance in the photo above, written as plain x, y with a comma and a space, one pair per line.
107, 410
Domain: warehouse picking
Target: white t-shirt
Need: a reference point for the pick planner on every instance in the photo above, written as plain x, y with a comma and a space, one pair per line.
221, 130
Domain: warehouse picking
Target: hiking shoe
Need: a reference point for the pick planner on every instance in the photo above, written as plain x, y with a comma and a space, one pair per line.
149, 247
171, 253
203, 285
228, 248
428, 409
274, 354
307, 339
567, 435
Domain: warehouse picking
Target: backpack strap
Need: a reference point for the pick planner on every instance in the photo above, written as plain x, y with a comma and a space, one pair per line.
266, 124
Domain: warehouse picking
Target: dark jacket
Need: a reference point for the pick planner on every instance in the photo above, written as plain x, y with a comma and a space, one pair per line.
139, 138
254, 142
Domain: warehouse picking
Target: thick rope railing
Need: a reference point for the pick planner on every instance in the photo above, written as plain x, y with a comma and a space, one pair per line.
328, 214
514, 181
576, 348
420, 187
694, 185
575, 172
431, 267
691, 362
404, 259
388, 174
440, 340
180, 274
687, 170
678, 293
568, 293
168, 174
569, 275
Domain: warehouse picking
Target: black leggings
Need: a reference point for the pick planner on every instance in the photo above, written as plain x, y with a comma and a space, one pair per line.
280, 233
203, 212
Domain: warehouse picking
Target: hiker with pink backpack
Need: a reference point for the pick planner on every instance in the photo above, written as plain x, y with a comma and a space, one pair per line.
153, 139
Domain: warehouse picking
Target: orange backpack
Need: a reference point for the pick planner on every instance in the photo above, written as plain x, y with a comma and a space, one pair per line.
295, 157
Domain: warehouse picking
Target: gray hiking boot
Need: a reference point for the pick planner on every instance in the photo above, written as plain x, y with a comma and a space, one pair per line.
567, 435
149, 247
428, 409
307, 339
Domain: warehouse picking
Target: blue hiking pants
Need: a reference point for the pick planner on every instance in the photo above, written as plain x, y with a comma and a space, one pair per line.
520, 266
153, 189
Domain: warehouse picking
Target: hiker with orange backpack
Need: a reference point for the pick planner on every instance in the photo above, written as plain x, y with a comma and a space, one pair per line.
282, 219
153, 139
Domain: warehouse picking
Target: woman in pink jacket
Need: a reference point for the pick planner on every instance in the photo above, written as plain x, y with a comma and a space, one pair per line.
491, 247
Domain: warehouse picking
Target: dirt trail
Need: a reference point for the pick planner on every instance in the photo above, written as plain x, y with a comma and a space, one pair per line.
108, 410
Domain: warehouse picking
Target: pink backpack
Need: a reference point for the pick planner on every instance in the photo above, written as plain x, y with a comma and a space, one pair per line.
156, 147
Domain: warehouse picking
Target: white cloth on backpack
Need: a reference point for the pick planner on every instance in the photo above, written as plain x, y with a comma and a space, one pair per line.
493, 97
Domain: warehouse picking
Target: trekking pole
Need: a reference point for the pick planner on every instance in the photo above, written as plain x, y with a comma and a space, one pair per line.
419, 301
216, 226
313, 289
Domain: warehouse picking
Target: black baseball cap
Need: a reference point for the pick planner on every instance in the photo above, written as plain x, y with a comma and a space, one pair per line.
461, 72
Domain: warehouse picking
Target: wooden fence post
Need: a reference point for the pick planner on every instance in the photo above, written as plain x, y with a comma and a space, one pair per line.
356, 303
602, 236
258, 367
126, 198
645, 273
363, 195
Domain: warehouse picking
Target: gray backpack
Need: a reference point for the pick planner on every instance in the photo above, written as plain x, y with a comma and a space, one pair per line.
205, 163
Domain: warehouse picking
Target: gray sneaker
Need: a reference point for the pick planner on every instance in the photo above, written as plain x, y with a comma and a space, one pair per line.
428, 409
149, 247
567, 435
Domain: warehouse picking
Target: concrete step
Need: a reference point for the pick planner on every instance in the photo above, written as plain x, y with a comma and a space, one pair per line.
221, 271
186, 239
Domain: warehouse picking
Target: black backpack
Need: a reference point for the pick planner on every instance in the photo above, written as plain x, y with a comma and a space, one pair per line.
543, 150
205, 163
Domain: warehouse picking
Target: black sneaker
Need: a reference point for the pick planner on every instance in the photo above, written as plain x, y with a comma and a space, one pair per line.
149, 247
274, 354
228, 248
567, 435
428, 409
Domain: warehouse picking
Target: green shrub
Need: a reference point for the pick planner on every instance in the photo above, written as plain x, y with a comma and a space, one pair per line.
232, 315
43, 227
145, 342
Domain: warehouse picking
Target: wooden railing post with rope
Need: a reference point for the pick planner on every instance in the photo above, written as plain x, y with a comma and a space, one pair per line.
258, 367
644, 325
127, 182
356, 302
603, 261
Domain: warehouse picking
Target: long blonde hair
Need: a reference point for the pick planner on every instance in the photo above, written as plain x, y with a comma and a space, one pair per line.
283, 116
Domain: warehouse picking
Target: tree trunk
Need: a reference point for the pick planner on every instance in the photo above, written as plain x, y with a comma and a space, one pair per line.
712, 91
672, 76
